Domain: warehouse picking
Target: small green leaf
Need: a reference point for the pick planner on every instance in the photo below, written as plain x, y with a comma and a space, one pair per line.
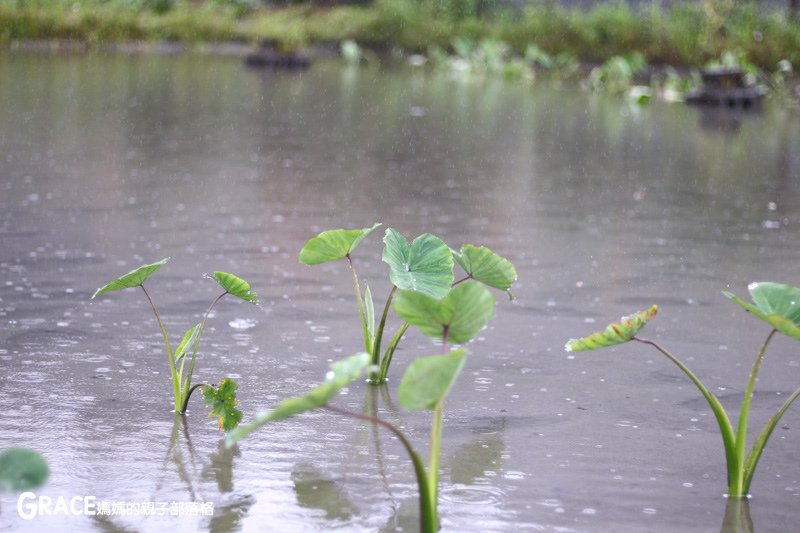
134, 278
369, 304
22, 469
188, 342
223, 404
341, 374
616, 333
428, 380
463, 313
333, 244
776, 304
236, 286
425, 266
482, 264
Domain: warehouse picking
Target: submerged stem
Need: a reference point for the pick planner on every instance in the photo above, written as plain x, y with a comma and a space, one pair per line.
429, 521
376, 348
361, 314
176, 387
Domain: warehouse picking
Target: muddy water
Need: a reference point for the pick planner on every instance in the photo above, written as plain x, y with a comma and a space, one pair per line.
108, 162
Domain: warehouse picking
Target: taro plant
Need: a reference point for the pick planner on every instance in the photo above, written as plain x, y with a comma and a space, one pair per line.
222, 400
22, 469
424, 266
457, 317
776, 304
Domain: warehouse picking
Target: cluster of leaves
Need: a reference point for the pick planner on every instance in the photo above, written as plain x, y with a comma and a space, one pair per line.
222, 401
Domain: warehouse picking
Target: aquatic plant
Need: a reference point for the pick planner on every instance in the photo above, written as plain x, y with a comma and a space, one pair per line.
458, 317
424, 266
22, 469
181, 373
776, 304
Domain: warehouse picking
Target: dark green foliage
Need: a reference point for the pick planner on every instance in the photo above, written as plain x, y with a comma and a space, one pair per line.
223, 404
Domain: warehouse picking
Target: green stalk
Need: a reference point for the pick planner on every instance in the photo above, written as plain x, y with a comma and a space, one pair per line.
387, 356
429, 520
361, 314
189, 395
176, 388
374, 377
436, 452
188, 381
736, 487
725, 427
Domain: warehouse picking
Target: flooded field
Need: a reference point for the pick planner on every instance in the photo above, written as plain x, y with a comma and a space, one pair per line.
109, 162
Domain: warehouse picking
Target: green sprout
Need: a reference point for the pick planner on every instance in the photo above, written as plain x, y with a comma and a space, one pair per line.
776, 304
425, 266
180, 372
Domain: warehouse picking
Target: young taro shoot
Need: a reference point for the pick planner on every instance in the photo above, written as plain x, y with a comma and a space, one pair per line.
424, 266
776, 304
424, 386
180, 371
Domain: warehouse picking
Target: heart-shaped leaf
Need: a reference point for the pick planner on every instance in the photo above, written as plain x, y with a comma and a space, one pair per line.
482, 264
427, 380
616, 333
22, 469
134, 278
223, 404
333, 244
462, 313
188, 342
776, 304
236, 286
425, 266
341, 374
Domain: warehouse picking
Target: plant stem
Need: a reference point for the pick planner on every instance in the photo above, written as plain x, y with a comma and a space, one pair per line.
361, 315
725, 427
176, 388
387, 356
429, 521
188, 381
435, 452
374, 377
736, 488
189, 395
462, 280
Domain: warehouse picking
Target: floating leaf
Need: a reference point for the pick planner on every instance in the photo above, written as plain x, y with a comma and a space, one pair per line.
223, 404
341, 374
22, 469
428, 380
776, 304
333, 244
462, 313
236, 286
482, 264
134, 278
425, 266
616, 333
188, 342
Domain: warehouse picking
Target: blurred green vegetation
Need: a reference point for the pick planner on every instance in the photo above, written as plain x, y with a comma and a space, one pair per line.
690, 33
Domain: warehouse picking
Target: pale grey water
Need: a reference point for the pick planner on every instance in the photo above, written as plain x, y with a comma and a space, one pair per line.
108, 162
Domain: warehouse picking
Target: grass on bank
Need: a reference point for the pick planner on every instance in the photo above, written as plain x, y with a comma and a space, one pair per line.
688, 34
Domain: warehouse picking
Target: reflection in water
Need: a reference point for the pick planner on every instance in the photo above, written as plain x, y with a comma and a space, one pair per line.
482, 455
314, 491
737, 517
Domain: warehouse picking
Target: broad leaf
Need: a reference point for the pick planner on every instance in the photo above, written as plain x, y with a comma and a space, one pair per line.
616, 333
333, 244
428, 380
134, 278
482, 264
223, 404
341, 374
236, 286
22, 469
188, 342
776, 304
425, 266
462, 313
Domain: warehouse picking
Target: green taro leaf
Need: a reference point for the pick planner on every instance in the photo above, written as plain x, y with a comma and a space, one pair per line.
134, 278
616, 333
776, 304
426, 266
223, 404
22, 469
236, 286
463, 312
341, 374
428, 380
482, 264
333, 244
188, 342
